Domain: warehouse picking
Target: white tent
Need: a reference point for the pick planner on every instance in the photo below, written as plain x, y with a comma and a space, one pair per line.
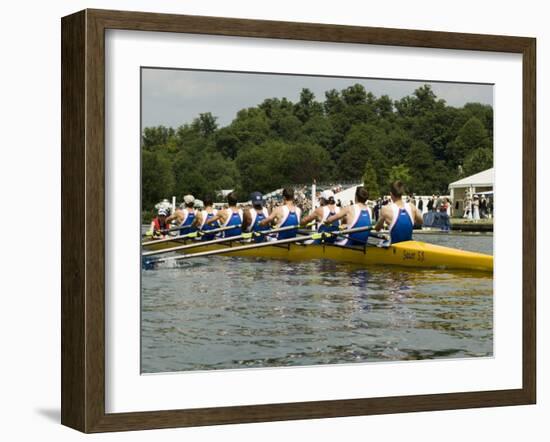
479, 183
346, 196
485, 178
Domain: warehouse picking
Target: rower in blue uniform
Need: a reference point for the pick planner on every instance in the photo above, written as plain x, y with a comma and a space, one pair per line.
232, 216
204, 216
254, 216
326, 209
287, 215
185, 216
355, 216
399, 216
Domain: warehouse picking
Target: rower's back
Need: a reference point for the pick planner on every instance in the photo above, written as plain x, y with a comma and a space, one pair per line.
329, 210
359, 215
206, 214
401, 226
257, 215
234, 217
188, 216
290, 215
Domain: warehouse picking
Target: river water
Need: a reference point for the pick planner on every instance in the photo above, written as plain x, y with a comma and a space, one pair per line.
225, 312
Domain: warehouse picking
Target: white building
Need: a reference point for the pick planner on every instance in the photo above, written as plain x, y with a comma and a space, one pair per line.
480, 183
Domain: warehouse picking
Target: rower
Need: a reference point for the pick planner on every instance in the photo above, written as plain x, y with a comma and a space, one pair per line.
355, 216
399, 215
159, 224
255, 215
231, 216
185, 216
203, 216
327, 209
284, 216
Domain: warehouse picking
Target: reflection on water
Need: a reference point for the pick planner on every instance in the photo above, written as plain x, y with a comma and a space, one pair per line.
227, 312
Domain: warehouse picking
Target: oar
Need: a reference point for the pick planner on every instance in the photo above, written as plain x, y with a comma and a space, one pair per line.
171, 229
218, 241
263, 244
189, 235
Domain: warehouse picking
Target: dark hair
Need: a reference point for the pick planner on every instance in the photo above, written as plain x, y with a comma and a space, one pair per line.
361, 194
208, 201
397, 189
232, 199
327, 201
191, 204
288, 193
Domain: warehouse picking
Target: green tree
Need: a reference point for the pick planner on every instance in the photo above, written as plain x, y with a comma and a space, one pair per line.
155, 138
472, 135
157, 179
370, 181
420, 160
303, 163
351, 135
363, 142
478, 160
400, 173
205, 124
307, 107
258, 167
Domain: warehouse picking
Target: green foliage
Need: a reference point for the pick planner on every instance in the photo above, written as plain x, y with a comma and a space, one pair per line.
472, 135
478, 160
400, 173
350, 136
205, 124
370, 181
157, 178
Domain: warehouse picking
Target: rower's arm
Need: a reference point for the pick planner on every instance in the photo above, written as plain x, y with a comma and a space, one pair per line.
270, 219
337, 216
313, 216
246, 219
385, 218
172, 217
198, 220
215, 218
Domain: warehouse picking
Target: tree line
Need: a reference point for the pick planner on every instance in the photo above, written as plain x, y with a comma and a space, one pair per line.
350, 136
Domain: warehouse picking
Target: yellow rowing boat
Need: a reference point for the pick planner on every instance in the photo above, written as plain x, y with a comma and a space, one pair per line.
408, 254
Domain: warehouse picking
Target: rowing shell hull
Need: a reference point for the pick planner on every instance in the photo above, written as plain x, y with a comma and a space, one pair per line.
408, 254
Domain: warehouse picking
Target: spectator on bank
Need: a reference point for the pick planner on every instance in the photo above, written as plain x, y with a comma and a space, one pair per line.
467, 208
483, 207
420, 204
438, 202
431, 203
475, 208
376, 210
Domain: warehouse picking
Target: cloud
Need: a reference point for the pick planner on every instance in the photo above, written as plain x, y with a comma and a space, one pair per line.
173, 97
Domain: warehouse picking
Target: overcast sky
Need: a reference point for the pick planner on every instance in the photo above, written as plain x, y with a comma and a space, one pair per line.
175, 97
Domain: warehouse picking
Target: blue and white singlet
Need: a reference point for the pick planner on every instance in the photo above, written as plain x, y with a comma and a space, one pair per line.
362, 218
188, 218
234, 219
206, 227
333, 227
255, 219
401, 228
289, 219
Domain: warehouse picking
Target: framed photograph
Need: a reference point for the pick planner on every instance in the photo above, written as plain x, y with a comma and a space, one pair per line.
268, 220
